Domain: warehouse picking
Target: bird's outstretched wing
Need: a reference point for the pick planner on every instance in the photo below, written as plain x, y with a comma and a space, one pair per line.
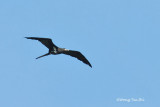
45, 41
77, 55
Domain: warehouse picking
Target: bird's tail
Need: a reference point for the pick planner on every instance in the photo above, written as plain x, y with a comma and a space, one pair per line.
43, 55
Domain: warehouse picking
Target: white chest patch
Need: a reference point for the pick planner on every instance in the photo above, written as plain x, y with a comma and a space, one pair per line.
54, 50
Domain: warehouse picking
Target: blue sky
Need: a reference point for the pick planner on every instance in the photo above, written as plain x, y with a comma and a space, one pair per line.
119, 37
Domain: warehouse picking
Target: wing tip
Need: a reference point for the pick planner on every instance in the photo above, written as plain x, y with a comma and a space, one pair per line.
27, 37
90, 65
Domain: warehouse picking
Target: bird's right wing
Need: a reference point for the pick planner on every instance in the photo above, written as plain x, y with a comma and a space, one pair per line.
77, 55
45, 41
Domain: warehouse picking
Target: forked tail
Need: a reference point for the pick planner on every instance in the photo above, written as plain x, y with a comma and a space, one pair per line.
43, 55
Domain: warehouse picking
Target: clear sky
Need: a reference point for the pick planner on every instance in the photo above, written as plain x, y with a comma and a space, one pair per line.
121, 39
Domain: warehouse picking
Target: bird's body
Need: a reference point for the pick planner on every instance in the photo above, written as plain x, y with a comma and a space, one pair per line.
53, 49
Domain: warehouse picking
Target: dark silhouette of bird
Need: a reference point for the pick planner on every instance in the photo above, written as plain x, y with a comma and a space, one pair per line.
53, 49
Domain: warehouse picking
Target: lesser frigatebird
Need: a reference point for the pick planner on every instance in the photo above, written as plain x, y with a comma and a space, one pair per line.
53, 49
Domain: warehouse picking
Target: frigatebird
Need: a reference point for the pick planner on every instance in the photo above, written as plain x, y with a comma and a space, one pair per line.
53, 49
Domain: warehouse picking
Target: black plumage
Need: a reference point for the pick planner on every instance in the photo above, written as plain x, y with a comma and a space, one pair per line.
53, 49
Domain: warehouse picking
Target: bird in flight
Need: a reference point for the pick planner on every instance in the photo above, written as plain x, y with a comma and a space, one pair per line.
53, 49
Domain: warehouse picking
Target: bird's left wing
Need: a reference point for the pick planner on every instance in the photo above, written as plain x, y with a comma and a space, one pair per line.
45, 41
77, 55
